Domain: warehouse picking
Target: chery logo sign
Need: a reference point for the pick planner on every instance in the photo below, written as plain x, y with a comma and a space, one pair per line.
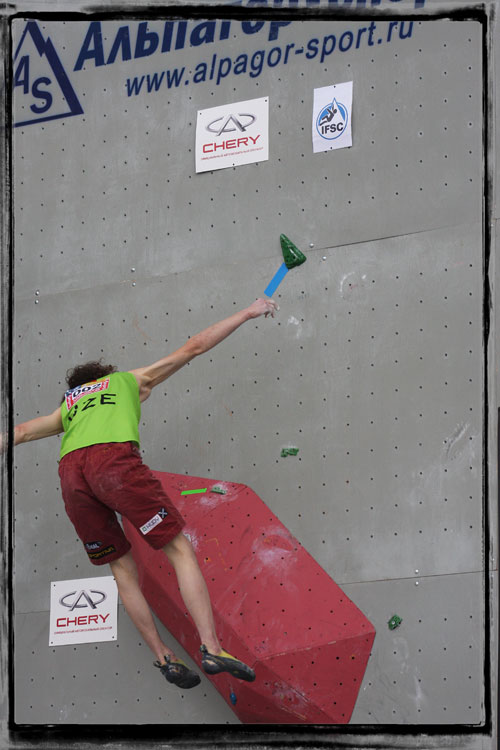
83, 611
239, 122
232, 135
83, 599
230, 124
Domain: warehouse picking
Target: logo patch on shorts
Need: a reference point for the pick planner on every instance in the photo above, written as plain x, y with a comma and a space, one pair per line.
152, 522
92, 545
102, 552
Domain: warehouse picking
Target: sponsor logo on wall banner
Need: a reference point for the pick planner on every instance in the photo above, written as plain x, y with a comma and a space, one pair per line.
332, 116
232, 135
50, 60
84, 610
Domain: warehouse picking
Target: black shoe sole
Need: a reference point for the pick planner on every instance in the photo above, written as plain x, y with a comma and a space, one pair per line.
180, 675
218, 664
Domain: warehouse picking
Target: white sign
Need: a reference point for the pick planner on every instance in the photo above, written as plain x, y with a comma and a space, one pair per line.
332, 115
83, 611
232, 134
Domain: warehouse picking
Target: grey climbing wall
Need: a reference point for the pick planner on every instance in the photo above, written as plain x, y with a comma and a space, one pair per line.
374, 367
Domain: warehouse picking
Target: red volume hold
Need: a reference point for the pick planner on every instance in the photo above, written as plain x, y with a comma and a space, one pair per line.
274, 606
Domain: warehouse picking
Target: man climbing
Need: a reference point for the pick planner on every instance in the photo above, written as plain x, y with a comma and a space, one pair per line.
102, 474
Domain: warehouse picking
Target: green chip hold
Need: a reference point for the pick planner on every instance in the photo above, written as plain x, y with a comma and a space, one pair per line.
395, 622
289, 452
218, 490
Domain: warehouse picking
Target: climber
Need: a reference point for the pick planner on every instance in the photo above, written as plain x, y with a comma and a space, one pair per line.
102, 474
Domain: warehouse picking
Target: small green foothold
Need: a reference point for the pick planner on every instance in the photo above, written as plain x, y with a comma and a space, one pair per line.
291, 253
289, 452
218, 490
395, 622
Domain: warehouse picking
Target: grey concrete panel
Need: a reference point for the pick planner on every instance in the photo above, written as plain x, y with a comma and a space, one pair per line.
429, 670
373, 369
115, 188
105, 683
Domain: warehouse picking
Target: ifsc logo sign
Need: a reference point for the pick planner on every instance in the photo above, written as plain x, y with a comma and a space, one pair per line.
332, 117
41, 87
332, 120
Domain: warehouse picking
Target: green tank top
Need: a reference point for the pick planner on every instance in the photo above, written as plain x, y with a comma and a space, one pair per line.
103, 411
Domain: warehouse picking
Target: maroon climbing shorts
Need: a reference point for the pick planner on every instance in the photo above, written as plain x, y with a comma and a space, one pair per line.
101, 480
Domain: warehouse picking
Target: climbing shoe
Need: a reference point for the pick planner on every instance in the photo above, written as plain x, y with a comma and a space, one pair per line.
224, 662
178, 673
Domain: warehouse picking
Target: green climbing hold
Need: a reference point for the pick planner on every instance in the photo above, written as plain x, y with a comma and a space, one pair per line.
291, 253
395, 622
218, 490
289, 452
